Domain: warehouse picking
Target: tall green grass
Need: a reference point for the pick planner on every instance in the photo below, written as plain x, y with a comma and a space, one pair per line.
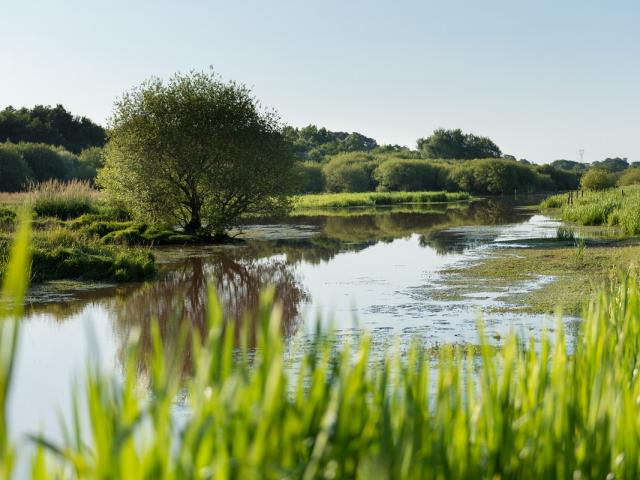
615, 207
369, 199
525, 410
64, 200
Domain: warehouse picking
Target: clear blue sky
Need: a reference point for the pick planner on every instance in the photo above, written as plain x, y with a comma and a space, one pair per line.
542, 78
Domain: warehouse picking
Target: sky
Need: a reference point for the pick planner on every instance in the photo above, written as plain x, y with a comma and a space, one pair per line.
543, 79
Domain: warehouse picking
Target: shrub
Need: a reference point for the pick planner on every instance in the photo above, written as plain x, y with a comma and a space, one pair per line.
410, 175
350, 172
562, 179
14, 171
63, 200
312, 179
629, 177
597, 179
45, 162
497, 176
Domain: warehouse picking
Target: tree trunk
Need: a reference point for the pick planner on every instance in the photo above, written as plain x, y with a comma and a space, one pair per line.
195, 223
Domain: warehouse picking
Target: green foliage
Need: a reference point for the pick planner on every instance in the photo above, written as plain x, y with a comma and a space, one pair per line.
497, 176
63, 254
50, 125
88, 163
409, 175
454, 144
598, 179
312, 177
198, 153
24, 163
570, 166
615, 207
63, 200
45, 162
14, 289
14, 171
565, 234
7, 219
562, 179
612, 165
312, 143
341, 200
350, 172
629, 177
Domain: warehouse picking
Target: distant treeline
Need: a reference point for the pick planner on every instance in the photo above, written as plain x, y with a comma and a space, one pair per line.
363, 171
50, 143
50, 125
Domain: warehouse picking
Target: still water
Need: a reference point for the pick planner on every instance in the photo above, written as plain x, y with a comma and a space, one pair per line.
375, 269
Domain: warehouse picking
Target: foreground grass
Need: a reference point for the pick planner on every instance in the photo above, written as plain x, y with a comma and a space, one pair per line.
369, 199
619, 207
517, 411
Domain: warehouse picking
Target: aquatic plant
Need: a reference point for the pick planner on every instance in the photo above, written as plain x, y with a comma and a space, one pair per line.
565, 233
533, 409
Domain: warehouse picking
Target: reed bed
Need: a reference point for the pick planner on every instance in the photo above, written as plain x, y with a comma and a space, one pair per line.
528, 409
619, 207
64, 200
371, 199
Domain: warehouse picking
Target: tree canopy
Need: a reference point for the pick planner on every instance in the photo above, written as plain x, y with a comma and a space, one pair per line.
454, 144
50, 125
198, 153
313, 143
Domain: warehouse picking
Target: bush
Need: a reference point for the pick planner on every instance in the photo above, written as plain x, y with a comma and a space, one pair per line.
14, 171
562, 179
497, 176
63, 200
597, 179
630, 177
350, 172
45, 162
410, 175
312, 179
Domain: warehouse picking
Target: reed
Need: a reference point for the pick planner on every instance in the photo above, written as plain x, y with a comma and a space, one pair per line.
64, 200
619, 207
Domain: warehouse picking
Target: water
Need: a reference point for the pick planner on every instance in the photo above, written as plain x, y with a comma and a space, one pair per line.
380, 270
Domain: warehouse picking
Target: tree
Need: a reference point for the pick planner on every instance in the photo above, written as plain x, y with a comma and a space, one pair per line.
612, 165
313, 143
197, 153
46, 162
50, 125
14, 171
597, 179
454, 144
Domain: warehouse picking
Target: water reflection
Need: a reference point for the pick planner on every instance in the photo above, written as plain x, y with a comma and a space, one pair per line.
271, 256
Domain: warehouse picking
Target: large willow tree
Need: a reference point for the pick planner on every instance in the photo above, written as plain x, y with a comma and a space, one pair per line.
197, 153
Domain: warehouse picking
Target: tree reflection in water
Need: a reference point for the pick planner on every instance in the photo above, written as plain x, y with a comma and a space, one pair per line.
178, 300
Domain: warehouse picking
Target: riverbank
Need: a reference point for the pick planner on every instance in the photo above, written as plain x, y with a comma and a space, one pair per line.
616, 207
370, 199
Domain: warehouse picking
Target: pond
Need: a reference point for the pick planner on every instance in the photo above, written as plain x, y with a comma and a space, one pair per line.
378, 269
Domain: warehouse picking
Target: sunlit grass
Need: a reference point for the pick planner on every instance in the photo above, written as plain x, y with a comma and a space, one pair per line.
55, 198
618, 207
